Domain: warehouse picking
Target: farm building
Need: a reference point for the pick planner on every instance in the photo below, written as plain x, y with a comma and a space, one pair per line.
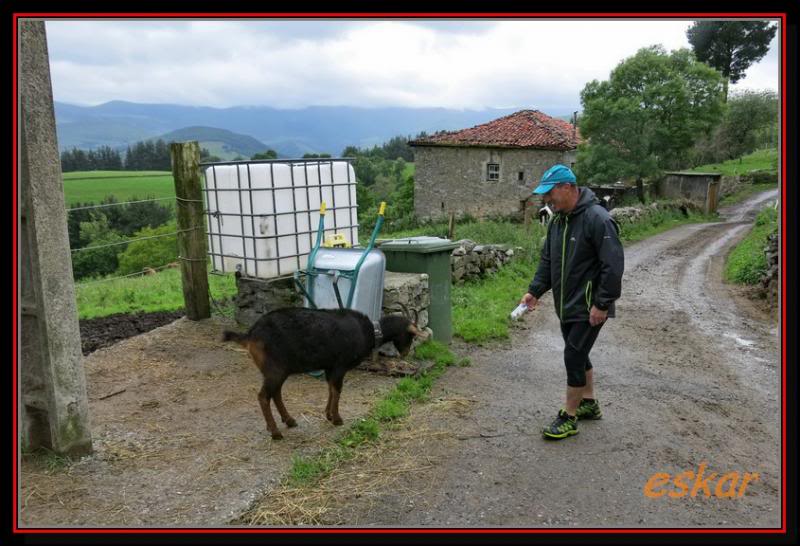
491, 168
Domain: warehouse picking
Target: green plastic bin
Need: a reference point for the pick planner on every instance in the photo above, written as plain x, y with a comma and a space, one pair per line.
429, 255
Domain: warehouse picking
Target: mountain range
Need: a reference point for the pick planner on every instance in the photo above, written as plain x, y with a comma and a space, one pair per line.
291, 133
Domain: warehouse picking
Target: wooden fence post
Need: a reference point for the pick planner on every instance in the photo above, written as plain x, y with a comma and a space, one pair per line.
192, 247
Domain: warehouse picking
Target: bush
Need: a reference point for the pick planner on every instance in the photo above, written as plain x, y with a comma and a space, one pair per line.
100, 261
150, 252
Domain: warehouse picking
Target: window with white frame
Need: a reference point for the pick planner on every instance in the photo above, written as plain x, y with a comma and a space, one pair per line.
492, 172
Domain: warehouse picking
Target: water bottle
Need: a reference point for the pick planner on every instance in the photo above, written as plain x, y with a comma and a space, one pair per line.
518, 311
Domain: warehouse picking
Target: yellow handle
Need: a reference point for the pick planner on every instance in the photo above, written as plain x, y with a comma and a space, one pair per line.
322, 208
382, 209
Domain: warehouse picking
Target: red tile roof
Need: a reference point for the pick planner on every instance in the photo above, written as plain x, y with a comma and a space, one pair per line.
523, 129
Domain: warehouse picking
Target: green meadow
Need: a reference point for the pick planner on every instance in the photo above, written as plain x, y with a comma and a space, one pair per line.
760, 160
94, 186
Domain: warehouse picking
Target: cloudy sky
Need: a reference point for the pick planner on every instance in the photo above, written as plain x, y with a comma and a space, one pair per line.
374, 63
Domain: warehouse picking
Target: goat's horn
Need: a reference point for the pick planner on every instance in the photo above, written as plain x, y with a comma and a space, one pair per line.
404, 309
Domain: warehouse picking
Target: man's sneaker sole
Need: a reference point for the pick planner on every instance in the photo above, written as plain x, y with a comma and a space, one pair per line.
560, 436
593, 417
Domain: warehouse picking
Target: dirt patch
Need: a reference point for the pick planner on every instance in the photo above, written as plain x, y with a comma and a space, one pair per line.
755, 303
100, 332
178, 435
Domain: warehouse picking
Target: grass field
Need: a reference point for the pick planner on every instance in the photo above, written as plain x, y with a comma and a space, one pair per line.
148, 293
94, 186
761, 160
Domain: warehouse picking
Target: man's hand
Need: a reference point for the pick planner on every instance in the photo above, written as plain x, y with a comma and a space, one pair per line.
530, 300
596, 316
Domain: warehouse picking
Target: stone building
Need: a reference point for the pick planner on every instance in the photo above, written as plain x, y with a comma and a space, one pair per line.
489, 169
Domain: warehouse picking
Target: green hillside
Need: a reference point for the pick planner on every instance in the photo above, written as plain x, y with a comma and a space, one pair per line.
220, 142
757, 161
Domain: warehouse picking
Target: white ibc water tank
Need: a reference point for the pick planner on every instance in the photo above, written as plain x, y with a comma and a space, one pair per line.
263, 216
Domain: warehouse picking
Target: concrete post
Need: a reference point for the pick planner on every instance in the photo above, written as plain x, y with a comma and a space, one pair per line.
55, 412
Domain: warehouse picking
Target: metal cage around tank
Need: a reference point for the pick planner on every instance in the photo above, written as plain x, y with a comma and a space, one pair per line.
261, 214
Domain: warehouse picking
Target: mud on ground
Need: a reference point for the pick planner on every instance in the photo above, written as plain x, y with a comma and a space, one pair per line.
100, 332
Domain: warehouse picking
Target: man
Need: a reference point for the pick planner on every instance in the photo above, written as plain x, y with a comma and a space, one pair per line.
582, 262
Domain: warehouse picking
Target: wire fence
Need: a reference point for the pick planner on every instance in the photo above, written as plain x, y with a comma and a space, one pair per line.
137, 274
73, 209
145, 271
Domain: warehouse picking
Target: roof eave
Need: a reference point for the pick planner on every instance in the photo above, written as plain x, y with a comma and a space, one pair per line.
494, 146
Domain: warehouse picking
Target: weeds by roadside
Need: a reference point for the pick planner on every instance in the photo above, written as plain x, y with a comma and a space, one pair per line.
746, 263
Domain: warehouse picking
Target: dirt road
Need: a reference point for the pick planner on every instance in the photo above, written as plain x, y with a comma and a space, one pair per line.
685, 376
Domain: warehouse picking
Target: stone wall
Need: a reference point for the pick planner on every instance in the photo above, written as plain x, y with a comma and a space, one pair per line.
471, 260
256, 297
732, 184
409, 289
624, 215
770, 281
453, 179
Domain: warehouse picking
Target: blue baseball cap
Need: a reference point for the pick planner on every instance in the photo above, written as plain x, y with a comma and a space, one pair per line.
557, 174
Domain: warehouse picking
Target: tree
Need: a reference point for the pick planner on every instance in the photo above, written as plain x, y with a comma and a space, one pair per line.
96, 262
351, 151
148, 155
731, 46
750, 121
647, 115
75, 216
269, 154
398, 147
206, 157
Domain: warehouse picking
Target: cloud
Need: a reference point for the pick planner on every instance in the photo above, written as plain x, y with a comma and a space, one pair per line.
292, 64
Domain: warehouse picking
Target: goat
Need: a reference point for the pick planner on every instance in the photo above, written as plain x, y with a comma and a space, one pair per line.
545, 213
295, 340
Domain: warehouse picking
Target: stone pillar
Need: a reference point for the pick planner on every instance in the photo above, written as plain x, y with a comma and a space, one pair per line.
53, 401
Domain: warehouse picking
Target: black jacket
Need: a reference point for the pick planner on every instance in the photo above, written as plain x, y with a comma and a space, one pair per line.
582, 261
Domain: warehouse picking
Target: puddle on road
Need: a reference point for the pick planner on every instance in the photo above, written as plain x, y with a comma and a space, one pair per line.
740, 341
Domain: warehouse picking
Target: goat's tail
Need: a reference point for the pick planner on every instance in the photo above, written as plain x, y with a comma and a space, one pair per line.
228, 335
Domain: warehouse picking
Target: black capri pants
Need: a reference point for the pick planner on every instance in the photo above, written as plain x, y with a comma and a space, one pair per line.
579, 337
